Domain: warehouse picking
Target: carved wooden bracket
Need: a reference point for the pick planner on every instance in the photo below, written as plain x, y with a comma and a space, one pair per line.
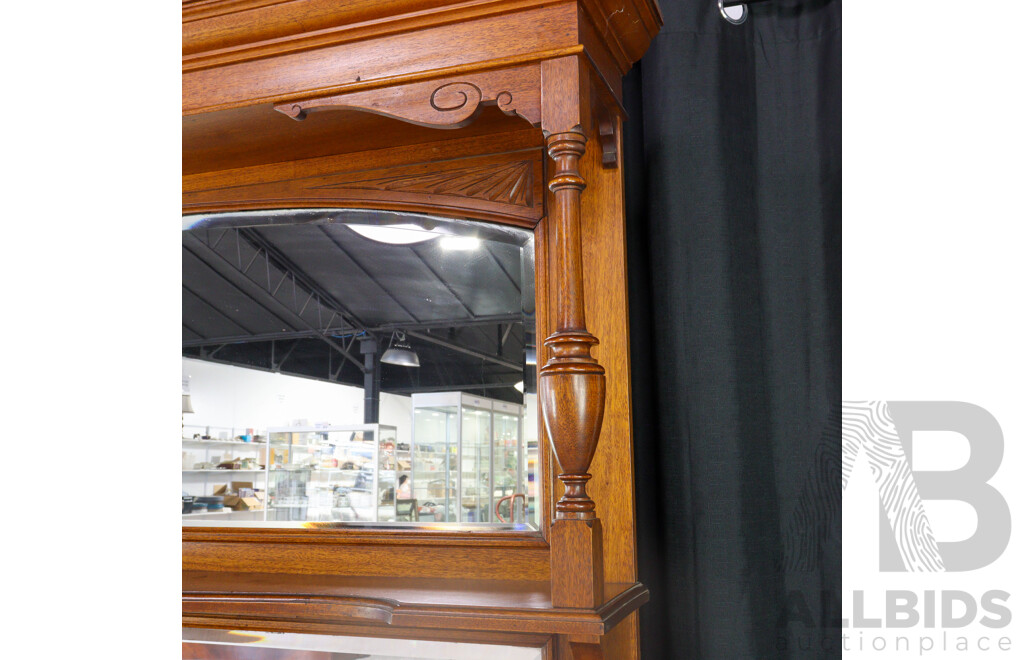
607, 129
450, 102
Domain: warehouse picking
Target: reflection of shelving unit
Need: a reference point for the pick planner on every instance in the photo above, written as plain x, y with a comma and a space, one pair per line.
467, 453
207, 446
331, 473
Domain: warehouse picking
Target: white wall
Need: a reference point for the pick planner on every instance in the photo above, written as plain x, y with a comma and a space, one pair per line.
239, 398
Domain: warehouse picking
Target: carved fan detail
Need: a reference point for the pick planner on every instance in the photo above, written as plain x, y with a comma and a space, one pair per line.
510, 183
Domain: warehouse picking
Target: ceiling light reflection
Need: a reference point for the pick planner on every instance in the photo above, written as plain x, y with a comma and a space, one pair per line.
405, 234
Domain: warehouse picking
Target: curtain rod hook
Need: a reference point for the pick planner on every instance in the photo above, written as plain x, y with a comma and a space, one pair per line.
730, 19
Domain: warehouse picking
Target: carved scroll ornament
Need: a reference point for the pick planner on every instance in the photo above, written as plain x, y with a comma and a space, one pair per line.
444, 103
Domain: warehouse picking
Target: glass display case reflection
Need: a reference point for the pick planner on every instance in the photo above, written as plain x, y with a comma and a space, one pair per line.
469, 460
212, 456
331, 474
510, 462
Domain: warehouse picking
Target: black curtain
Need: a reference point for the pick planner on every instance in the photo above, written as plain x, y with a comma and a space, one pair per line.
733, 182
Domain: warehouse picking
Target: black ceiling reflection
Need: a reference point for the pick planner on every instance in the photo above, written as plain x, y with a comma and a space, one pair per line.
300, 299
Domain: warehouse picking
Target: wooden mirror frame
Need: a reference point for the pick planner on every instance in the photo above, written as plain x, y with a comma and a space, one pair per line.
349, 72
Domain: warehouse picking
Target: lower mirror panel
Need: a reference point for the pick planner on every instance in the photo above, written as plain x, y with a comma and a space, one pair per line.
211, 644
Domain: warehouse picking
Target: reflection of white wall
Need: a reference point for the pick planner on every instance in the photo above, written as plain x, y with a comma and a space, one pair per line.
230, 397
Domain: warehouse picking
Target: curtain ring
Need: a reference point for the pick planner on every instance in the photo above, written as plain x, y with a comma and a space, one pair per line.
730, 19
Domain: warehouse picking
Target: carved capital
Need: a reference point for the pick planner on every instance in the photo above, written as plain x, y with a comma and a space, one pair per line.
450, 102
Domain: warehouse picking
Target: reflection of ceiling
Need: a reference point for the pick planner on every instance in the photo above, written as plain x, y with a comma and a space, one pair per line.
299, 298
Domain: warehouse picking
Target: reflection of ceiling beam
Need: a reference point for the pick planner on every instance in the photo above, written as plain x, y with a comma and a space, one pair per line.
215, 309
500, 266
192, 330
361, 267
444, 283
465, 350
451, 323
308, 283
256, 367
276, 366
448, 388
510, 319
255, 290
266, 336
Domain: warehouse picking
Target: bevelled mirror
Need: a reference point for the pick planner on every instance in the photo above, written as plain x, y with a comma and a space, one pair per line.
346, 367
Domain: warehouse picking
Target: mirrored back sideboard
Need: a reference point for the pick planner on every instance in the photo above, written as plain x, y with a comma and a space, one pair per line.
489, 113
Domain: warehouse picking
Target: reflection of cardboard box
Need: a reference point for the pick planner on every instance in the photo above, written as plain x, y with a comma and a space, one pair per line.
233, 501
247, 504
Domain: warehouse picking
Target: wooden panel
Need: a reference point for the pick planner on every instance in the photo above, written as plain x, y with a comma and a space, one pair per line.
411, 561
257, 135
607, 317
342, 534
623, 640
612, 486
505, 187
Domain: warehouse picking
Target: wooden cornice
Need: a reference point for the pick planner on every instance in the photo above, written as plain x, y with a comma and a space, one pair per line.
217, 25
219, 32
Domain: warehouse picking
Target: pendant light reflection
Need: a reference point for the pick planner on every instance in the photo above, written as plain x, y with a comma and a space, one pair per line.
406, 234
400, 353
410, 234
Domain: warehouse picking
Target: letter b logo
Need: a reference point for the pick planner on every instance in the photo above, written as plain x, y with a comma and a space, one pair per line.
883, 430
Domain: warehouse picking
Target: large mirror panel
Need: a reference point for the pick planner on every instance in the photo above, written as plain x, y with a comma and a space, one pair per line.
354, 367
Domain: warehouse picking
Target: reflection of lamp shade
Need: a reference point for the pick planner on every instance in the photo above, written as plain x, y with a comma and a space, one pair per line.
400, 353
519, 386
186, 404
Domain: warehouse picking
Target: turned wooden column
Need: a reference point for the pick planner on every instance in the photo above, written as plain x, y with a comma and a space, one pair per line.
572, 382
571, 388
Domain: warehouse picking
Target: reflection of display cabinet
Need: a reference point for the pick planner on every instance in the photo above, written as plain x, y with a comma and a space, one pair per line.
468, 453
239, 453
332, 473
